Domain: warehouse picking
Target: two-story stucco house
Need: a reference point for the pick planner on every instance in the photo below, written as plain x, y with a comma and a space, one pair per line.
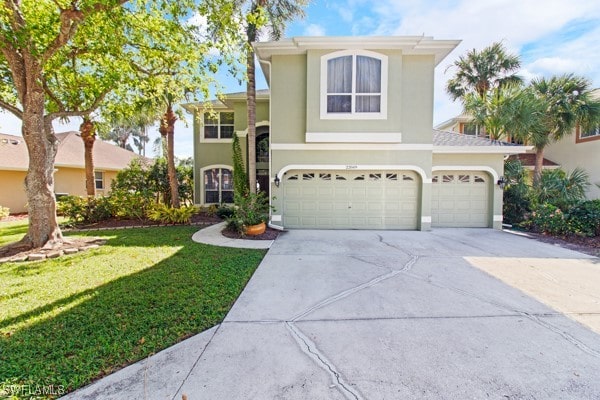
345, 140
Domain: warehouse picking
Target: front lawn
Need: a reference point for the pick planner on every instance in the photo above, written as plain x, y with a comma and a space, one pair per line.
71, 320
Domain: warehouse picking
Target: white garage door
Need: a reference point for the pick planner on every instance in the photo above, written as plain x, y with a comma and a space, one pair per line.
460, 199
350, 200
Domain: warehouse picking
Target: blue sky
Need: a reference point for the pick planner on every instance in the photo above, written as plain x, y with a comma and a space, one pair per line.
552, 37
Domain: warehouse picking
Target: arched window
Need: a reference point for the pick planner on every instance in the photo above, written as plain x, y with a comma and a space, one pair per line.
218, 185
354, 85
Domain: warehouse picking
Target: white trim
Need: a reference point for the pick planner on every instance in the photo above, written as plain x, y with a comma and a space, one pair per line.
350, 146
276, 218
485, 168
202, 192
481, 149
382, 114
425, 219
341, 167
498, 218
354, 137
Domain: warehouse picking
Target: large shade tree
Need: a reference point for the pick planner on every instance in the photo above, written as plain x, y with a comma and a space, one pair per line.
39, 41
479, 72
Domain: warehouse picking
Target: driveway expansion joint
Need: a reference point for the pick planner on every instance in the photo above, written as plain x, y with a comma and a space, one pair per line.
310, 349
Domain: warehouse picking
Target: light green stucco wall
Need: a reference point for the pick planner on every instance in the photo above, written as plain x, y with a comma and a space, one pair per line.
241, 115
219, 153
288, 87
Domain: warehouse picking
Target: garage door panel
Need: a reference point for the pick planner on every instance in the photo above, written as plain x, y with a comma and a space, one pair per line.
460, 199
357, 199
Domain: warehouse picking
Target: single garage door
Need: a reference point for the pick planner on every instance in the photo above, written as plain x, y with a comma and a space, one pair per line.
350, 199
460, 199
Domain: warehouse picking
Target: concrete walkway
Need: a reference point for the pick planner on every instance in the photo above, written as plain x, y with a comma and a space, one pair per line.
380, 315
212, 235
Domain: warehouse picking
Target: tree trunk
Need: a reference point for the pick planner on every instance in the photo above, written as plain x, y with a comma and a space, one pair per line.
39, 182
539, 164
167, 129
251, 105
89, 137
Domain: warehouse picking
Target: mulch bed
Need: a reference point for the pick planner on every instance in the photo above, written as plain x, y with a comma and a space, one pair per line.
197, 219
587, 245
270, 234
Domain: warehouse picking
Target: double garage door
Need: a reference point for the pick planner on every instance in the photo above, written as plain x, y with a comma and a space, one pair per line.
460, 199
351, 199
383, 199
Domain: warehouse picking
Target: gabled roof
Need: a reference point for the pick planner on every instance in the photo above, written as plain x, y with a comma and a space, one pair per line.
14, 155
452, 142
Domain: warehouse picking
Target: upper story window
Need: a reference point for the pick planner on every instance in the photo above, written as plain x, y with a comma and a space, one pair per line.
354, 85
590, 134
219, 126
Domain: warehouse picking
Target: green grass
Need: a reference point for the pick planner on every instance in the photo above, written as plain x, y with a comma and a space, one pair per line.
12, 231
74, 319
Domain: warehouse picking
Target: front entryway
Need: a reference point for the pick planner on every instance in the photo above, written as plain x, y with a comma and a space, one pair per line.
350, 199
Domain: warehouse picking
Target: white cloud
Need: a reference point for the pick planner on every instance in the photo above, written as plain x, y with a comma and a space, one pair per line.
519, 24
314, 30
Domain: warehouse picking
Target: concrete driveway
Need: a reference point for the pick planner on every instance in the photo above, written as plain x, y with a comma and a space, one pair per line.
391, 315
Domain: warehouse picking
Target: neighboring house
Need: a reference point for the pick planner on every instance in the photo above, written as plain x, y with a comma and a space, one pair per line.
581, 149
345, 140
464, 124
69, 175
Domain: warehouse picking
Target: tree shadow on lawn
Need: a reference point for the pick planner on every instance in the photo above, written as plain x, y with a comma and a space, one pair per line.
127, 319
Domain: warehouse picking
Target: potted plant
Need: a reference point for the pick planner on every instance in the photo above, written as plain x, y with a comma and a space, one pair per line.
250, 214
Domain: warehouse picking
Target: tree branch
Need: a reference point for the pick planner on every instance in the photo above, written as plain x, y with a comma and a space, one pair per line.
9, 107
52, 96
69, 21
80, 113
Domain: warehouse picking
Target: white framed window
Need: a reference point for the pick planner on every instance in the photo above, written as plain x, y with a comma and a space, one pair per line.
99, 180
218, 185
218, 126
354, 85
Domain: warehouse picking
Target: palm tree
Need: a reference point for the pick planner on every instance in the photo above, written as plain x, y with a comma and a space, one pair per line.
167, 130
568, 103
88, 135
480, 71
508, 111
277, 13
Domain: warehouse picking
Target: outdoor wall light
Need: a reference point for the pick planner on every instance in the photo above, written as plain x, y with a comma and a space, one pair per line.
501, 182
277, 181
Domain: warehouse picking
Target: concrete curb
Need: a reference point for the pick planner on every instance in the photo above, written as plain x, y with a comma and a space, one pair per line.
212, 235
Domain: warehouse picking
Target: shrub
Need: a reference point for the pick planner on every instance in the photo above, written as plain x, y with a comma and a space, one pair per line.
130, 204
517, 193
4, 212
584, 219
548, 218
81, 209
562, 189
251, 209
225, 211
169, 215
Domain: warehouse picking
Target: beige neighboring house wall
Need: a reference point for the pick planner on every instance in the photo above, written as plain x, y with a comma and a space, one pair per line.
69, 175
572, 152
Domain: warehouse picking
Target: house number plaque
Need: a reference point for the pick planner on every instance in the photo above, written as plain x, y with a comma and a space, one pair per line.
351, 166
